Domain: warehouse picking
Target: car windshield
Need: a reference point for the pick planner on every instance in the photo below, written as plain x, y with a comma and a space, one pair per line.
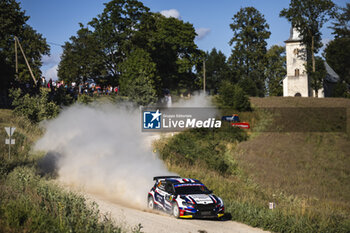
191, 189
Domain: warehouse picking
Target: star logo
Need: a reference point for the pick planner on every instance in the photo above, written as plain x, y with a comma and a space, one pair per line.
152, 120
156, 115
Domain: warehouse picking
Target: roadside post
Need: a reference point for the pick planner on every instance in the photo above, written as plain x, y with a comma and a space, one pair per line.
10, 141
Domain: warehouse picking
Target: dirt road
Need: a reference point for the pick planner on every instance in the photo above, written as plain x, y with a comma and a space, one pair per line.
154, 222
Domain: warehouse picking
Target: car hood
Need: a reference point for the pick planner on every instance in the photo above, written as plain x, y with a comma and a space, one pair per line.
201, 198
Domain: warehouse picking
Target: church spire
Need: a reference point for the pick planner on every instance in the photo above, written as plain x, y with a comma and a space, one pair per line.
294, 35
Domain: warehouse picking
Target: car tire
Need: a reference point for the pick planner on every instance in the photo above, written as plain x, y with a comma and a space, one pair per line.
175, 210
150, 203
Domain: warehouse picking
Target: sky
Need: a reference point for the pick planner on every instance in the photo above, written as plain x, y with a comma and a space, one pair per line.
58, 20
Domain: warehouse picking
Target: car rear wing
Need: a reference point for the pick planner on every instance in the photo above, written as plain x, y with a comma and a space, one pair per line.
164, 177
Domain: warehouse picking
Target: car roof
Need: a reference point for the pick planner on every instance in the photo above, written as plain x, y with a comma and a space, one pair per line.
182, 180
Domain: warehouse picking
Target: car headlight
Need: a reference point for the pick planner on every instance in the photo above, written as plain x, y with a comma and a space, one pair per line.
220, 203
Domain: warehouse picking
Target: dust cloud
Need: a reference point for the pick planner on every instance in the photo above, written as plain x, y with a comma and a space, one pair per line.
102, 150
198, 100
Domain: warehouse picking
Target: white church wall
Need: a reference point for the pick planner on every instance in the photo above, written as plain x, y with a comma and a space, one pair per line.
296, 58
297, 85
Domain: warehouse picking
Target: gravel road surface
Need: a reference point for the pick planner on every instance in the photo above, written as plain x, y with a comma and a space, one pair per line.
154, 222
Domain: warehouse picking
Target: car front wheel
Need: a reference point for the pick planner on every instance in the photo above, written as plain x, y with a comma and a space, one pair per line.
176, 211
150, 203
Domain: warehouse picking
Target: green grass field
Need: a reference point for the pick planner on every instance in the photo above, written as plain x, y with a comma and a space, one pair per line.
307, 174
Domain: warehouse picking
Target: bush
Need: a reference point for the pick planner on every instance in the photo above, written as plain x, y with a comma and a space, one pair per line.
36, 108
31, 204
232, 95
204, 145
85, 99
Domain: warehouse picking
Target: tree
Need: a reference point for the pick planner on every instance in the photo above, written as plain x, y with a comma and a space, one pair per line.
337, 52
138, 78
317, 77
13, 23
232, 95
275, 69
250, 32
114, 29
341, 25
170, 43
308, 17
36, 108
82, 58
217, 70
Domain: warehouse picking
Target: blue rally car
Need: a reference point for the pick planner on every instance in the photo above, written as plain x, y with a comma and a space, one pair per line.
184, 198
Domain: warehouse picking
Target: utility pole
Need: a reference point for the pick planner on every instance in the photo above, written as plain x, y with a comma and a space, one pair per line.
16, 57
204, 75
25, 58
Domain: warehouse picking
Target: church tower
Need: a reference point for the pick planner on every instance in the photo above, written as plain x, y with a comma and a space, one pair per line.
296, 82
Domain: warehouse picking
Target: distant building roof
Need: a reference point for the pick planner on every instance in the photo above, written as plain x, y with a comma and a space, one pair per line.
331, 75
294, 35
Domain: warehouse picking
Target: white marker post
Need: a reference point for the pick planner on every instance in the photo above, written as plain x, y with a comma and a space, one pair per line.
9, 141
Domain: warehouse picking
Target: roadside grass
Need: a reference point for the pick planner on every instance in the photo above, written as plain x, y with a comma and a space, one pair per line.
25, 135
307, 174
31, 203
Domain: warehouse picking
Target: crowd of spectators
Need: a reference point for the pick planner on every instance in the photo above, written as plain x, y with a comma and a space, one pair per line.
89, 87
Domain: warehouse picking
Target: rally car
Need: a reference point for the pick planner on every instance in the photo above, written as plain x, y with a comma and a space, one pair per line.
184, 198
236, 122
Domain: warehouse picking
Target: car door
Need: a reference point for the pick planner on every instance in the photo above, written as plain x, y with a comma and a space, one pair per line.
160, 194
168, 199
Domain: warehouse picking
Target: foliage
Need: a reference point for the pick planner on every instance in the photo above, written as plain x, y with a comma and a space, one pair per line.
341, 26
85, 99
62, 96
203, 147
232, 95
82, 58
341, 90
316, 78
217, 70
26, 134
13, 23
31, 204
36, 108
170, 43
125, 26
337, 54
275, 69
308, 17
138, 78
250, 32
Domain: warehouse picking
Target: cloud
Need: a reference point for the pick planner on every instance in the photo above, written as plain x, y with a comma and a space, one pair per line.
51, 60
202, 32
171, 13
51, 73
50, 65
